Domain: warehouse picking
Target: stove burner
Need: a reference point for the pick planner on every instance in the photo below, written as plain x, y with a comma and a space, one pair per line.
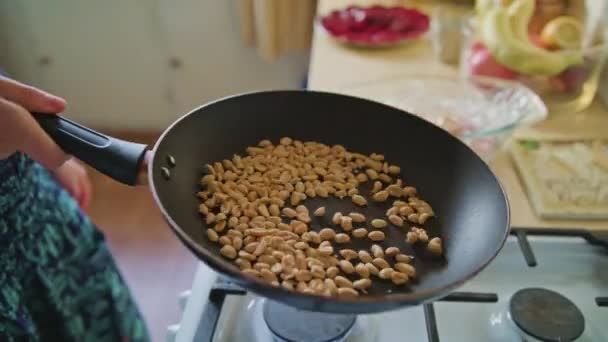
546, 315
292, 325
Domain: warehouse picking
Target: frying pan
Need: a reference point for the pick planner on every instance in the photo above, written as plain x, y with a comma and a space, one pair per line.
471, 207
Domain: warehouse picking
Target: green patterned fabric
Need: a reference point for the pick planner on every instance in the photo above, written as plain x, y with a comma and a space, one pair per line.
58, 281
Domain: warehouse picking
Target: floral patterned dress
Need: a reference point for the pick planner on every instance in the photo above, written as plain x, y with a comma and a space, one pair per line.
58, 281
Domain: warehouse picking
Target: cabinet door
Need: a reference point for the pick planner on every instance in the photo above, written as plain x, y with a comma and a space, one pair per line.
105, 57
211, 60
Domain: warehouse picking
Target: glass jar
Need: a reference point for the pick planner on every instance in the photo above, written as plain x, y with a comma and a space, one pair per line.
570, 91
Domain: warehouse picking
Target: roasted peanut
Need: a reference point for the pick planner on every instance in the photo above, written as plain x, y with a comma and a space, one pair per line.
357, 217
380, 196
403, 258
348, 254
371, 268
228, 251
362, 284
399, 278
342, 238
319, 211
386, 273
346, 266
289, 212
376, 235
422, 218
332, 271
364, 256
359, 233
359, 200
394, 170
337, 218
396, 220
343, 282
405, 268
346, 223
327, 234
377, 251
378, 223
435, 246
212, 235
362, 270
380, 263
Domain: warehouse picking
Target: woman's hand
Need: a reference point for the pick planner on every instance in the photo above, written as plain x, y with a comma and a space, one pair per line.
74, 179
20, 132
18, 129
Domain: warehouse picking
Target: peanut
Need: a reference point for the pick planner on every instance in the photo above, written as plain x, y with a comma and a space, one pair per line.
403, 258
319, 211
337, 218
359, 233
377, 251
379, 223
371, 268
343, 282
362, 284
212, 235
376, 235
347, 292
435, 246
399, 278
362, 270
405, 268
396, 220
364, 256
380, 196
346, 266
359, 200
228, 251
346, 223
357, 217
386, 273
327, 234
348, 254
342, 238
380, 263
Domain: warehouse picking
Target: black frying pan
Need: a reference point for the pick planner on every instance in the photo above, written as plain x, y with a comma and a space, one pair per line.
471, 207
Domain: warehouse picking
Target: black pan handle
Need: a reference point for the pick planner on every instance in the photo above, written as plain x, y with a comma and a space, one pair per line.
118, 159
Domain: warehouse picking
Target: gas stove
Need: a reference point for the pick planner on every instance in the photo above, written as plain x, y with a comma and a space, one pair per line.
545, 285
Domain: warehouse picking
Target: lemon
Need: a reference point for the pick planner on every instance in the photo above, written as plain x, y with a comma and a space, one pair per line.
563, 32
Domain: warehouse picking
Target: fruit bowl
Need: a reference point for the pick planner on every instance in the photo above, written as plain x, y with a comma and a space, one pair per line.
559, 61
482, 112
376, 26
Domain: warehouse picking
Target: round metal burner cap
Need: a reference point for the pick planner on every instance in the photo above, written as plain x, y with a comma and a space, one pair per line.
546, 315
290, 324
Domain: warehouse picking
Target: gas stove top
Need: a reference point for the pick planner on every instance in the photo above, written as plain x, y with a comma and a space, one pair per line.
545, 285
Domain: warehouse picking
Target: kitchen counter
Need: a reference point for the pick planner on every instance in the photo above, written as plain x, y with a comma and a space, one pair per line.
333, 66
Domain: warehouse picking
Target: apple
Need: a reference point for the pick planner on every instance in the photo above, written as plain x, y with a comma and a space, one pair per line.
573, 78
482, 63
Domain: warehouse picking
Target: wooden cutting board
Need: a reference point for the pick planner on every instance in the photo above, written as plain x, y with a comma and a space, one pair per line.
564, 180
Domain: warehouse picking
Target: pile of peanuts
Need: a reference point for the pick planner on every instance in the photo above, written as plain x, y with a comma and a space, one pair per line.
254, 209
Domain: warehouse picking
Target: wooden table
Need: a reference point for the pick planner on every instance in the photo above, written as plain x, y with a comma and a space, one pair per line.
333, 67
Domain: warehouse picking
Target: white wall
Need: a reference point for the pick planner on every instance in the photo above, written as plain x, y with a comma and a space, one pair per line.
135, 64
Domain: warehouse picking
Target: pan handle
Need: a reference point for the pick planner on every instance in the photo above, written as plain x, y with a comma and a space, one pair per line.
118, 159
